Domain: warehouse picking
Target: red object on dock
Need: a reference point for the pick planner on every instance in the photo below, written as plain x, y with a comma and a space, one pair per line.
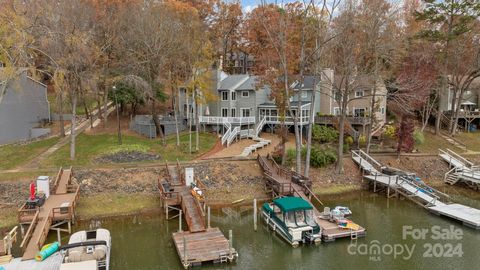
32, 191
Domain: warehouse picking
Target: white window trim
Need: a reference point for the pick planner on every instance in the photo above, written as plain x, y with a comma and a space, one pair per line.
243, 109
304, 94
234, 94
357, 96
222, 95
233, 110
247, 96
221, 111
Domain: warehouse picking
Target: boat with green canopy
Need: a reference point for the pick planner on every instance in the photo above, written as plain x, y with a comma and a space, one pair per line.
292, 218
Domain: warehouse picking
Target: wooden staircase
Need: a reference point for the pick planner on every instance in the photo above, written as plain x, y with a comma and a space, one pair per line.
451, 178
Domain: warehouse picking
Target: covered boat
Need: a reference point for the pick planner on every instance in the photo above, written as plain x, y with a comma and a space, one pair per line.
87, 250
293, 219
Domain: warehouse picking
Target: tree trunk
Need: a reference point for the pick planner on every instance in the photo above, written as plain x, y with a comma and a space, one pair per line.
176, 118
74, 125
197, 127
105, 106
372, 114
156, 121
60, 113
339, 166
309, 133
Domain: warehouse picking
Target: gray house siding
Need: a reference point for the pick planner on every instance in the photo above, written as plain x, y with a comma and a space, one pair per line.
22, 108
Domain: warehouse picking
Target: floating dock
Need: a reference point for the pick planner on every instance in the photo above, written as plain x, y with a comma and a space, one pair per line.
282, 182
406, 185
200, 244
58, 209
461, 170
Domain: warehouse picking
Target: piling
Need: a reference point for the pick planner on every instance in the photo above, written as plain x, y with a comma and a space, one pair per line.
59, 238
230, 241
208, 217
255, 214
180, 221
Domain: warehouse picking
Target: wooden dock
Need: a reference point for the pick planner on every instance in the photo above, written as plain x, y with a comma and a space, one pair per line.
200, 244
59, 209
282, 182
406, 185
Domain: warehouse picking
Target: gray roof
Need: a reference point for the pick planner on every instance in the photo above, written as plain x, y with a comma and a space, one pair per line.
232, 82
249, 84
307, 82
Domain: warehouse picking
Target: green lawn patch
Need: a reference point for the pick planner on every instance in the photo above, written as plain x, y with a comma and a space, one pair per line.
470, 139
8, 218
90, 147
115, 204
15, 155
432, 143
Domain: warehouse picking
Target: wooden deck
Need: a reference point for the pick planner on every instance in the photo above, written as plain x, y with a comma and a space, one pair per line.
281, 182
208, 246
3, 251
203, 244
58, 208
429, 198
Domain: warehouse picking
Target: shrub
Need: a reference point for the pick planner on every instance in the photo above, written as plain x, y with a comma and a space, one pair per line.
346, 148
390, 131
362, 139
418, 137
321, 158
349, 140
324, 134
291, 155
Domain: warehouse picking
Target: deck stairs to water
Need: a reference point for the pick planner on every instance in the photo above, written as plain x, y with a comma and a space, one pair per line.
407, 185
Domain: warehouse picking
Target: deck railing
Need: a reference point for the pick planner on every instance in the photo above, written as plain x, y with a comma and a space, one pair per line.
287, 119
24, 213
29, 233
222, 120
354, 120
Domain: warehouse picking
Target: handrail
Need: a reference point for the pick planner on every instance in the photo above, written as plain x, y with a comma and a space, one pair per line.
260, 125
226, 135
57, 180
46, 229
449, 172
224, 120
29, 233
232, 135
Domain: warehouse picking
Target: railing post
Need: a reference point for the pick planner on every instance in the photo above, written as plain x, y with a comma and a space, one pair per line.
230, 241
180, 222
208, 217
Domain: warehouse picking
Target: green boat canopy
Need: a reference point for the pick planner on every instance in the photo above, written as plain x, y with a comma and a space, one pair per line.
287, 204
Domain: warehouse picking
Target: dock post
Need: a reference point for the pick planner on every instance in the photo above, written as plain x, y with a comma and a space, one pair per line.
375, 184
22, 230
208, 217
180, 221
230, 242
185, 260
255, 214
59, 238
388, 189
166, 211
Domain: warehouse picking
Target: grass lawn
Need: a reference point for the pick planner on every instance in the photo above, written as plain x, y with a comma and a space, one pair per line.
470, 139
12, 156
67, 108
8, 217
433, 143
89, 147
115, 204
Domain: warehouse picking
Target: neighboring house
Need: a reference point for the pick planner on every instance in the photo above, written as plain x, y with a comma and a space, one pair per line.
238, 63
469, 106
360, 105
23, 107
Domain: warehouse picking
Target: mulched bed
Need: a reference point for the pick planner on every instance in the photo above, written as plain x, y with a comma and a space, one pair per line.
127, 156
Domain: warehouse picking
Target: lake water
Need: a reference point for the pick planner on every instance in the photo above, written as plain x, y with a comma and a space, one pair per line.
145, 243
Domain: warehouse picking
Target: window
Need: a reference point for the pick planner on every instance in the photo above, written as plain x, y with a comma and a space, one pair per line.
224, 112
224, 95
382, 110
304, 94
336, 110
234, 112
234, 96
245, 112
358, 94
245, 94
337, 95
358, 112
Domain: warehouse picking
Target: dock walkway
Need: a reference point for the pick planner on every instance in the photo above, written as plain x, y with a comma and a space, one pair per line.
58, 209
462, 170
406, 185
199, 244
282, 182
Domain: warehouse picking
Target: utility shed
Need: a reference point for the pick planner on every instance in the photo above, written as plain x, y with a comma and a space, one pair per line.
23, 106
